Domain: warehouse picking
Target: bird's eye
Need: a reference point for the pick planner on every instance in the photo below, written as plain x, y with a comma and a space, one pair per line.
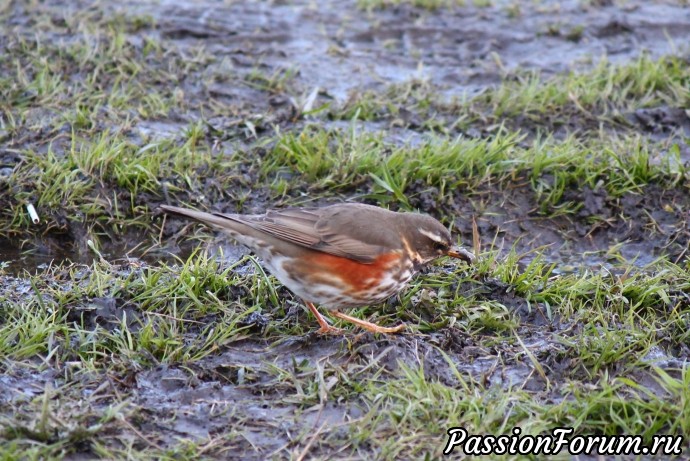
440, 246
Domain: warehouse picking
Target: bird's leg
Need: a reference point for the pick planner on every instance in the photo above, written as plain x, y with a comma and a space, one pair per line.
368, 325
325, 329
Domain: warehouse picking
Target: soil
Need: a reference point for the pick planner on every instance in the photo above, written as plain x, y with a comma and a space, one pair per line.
344, 51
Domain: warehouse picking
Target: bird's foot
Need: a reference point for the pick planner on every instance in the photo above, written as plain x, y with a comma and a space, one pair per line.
368, 325
329, 330
326, 328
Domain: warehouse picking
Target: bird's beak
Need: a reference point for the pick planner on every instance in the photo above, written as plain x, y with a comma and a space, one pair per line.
461, 253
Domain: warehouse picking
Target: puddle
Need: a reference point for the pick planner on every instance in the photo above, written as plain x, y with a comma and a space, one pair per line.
39, 255
159, 130
338, 48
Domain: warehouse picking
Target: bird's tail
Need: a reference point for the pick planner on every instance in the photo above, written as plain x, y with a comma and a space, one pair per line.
224, 222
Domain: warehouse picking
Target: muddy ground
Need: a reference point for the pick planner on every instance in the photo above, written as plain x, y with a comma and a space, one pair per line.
232, 402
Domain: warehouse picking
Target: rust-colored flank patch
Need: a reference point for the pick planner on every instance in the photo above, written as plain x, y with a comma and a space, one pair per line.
359, 276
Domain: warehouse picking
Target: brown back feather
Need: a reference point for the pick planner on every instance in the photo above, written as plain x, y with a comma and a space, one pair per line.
351, 230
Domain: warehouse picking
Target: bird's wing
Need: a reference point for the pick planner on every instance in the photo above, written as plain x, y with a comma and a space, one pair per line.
318, 229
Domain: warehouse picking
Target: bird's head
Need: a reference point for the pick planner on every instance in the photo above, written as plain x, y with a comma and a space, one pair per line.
428, 239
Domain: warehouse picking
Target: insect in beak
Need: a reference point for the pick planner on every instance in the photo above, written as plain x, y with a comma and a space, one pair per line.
461, 253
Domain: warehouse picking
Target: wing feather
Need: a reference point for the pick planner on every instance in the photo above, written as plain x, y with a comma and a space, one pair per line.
311, 228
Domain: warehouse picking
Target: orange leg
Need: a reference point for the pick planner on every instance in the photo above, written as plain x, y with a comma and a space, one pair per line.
368, 325
325, 329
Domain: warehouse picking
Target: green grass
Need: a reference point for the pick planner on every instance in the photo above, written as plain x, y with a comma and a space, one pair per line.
606, 94
103, 180
332, 160
87, 167
113, 83
277, 82
335, 160
169, 323
110, 180
153, 320
406, 415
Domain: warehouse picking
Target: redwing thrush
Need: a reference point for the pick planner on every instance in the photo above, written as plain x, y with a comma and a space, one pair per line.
341, 256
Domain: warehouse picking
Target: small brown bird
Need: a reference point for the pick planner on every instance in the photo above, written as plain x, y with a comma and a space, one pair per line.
341, 256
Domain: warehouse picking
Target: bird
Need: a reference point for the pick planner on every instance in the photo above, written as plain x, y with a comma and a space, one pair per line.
339, 256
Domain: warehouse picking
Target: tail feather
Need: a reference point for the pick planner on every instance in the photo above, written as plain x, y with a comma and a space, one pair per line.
221, 222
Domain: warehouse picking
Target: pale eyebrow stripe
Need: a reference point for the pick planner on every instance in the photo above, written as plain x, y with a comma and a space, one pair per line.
432, 236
